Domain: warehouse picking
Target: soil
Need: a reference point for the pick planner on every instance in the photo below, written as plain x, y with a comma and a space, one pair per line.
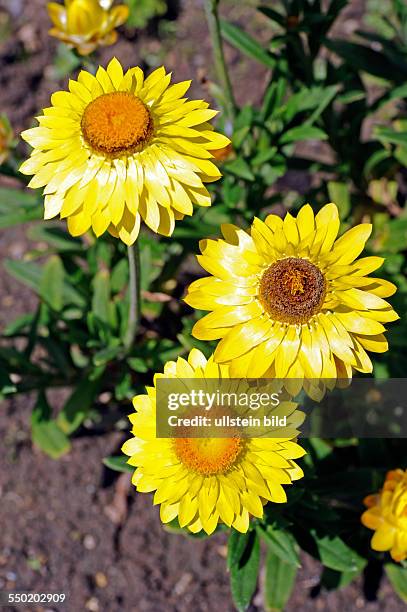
71, 525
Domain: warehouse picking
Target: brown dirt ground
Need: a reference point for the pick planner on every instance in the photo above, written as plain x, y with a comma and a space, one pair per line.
69, 526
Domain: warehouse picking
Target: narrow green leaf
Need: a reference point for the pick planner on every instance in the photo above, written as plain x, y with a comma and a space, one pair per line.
281, 543
30, 274
46, 433
52, 283
398, 578
24, 271
388, 135
55, 236
366, 59
101, 296
17, 206
339, 194
120, 276
244, 573
240, 168
237, 544
246, 44
303, 132
333, 580
327, 95
273, 15
18, 325
10, 198
77, 406
337, 555
106, 355
280, 580
118, 464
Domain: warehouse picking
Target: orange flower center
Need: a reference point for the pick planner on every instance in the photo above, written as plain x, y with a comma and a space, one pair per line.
292, 290
117, 123
208, 456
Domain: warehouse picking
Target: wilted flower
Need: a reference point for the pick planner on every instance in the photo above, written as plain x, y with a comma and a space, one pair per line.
119, 148
206, 481
6, 138
86, 24
387, 515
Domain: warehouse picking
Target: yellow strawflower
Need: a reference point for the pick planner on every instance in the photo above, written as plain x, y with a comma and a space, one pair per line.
387, 515
206, 481
86, 24
288, 299
118, 148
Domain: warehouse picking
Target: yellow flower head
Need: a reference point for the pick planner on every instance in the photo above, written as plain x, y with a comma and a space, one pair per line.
118, 148
289, 300
206, 481
387, 515
6, 138
86, 24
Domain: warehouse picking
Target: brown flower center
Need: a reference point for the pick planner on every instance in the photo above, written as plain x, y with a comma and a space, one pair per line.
116, 123
292, 290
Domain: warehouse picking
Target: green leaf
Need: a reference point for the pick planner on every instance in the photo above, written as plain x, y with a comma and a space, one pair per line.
246, 44
118, 464
52, 283
326, 97
279, 583
339, 194
30, 274
106, 355
302, 132
281, 543
77, 406
101, 296
17, 206
237, 544
398, 578
240, 168
388, 135
6, 385
55, 236
138, 364
46, 433
273, 15
394, 236
366, 59
337, 555
120, 276
332, 580
18, 325
244, 572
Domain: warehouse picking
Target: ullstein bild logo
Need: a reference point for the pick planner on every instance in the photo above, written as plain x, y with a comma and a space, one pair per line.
369, 408
223, 408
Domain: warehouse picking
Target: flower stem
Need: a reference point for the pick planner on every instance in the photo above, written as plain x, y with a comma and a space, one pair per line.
134, 295
212, 17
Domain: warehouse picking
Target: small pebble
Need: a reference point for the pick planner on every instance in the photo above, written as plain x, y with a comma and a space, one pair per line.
101, 580
92, 604
89, 542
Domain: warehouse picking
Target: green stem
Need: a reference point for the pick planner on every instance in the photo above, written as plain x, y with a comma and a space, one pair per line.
212, 17
134, 296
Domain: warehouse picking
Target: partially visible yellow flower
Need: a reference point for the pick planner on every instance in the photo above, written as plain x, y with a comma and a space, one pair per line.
118, 148
290, 300
387, 515
6, 138
222, 155
86, 24
206, 481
